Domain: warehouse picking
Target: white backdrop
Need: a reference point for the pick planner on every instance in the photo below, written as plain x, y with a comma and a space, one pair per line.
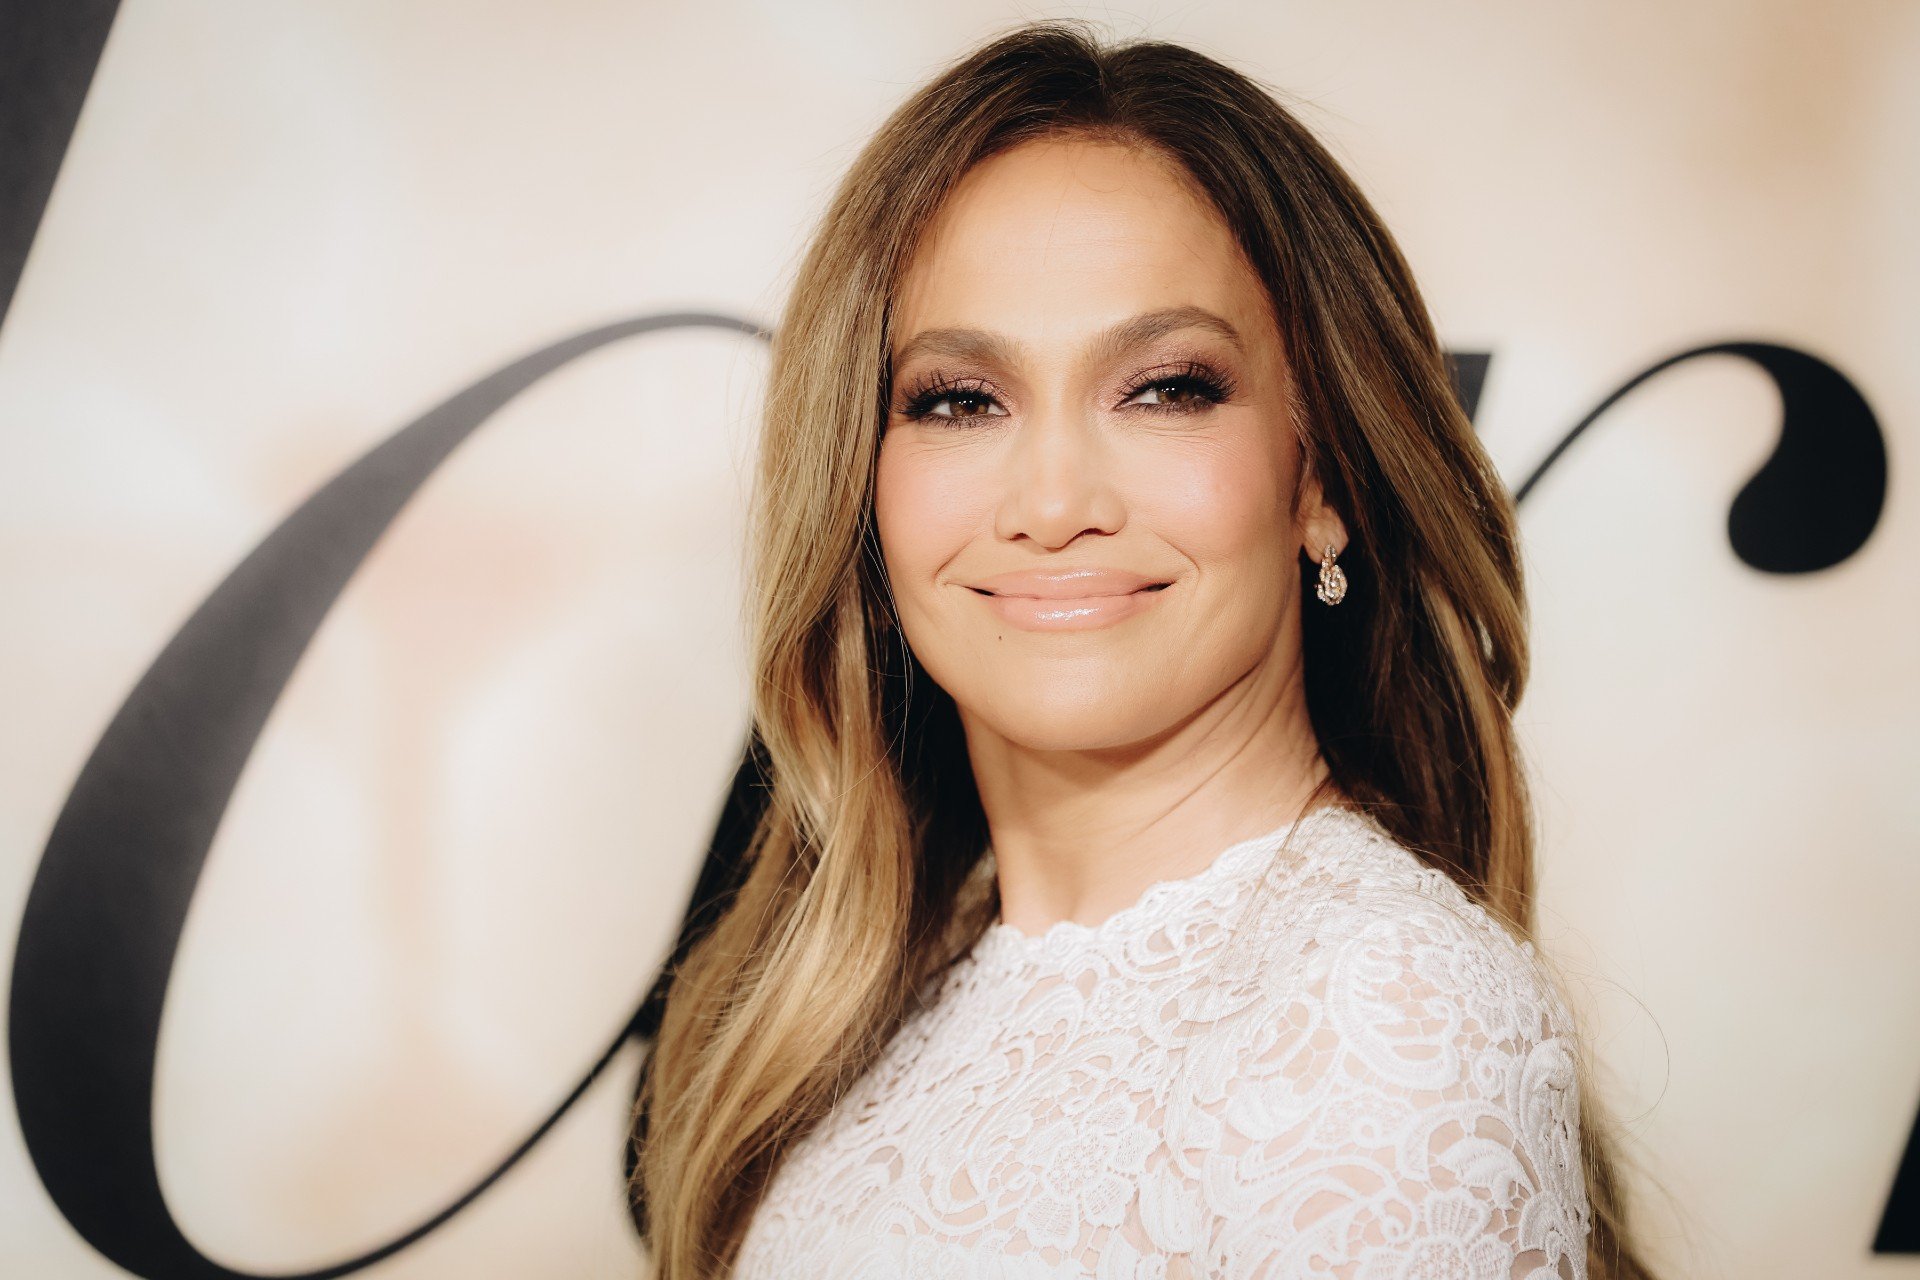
454, 860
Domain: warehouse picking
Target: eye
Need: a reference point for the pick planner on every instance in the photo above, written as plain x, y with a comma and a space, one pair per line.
1187, 389
962, 400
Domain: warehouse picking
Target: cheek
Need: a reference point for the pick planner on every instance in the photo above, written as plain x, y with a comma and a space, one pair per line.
1224, 503
925, 507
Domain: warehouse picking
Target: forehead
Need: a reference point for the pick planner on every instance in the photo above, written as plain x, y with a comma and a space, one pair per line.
1060, 237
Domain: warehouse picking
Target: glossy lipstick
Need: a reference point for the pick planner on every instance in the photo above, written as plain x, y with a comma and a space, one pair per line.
1068, 599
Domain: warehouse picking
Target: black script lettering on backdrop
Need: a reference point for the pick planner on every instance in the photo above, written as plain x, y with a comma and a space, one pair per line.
109, 901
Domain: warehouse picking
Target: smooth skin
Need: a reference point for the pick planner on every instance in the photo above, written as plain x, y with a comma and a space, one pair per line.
1113, 757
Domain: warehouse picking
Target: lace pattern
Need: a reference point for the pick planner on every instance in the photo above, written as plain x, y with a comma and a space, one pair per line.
1327, 1062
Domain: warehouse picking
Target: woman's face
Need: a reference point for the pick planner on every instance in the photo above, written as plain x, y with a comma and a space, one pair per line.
1086, 482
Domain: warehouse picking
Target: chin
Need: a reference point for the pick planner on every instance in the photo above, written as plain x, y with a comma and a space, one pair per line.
1080, 719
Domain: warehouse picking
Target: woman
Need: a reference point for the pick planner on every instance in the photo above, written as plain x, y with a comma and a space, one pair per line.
1145, 885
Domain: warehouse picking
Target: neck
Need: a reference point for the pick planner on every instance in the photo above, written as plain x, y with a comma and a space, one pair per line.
1080, 834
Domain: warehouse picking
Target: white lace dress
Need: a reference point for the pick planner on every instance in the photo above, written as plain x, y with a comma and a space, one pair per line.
1353, 1072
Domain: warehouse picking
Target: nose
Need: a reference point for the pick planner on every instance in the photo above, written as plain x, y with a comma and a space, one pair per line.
1058, 482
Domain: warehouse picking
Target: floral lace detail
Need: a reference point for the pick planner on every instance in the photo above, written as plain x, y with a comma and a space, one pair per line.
1319, 1062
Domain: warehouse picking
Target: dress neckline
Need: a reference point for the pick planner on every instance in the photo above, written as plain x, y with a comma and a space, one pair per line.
1161, 901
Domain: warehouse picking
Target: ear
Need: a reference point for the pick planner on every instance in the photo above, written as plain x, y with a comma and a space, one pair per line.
1318, 524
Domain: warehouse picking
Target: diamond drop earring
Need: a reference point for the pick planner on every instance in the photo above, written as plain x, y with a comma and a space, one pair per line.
1333, 579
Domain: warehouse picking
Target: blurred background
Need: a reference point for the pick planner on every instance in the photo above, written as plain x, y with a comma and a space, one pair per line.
378, 395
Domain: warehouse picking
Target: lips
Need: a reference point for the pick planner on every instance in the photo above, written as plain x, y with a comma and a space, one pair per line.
1076, 599
1081, 583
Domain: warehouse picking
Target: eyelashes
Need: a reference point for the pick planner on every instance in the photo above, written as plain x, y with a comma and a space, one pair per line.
1183, 388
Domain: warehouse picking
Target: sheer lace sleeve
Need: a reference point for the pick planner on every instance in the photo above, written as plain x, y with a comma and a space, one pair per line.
1413, 1111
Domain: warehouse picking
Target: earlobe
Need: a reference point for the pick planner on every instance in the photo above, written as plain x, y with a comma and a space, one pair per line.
1327, 531
1322, 525
1330, 535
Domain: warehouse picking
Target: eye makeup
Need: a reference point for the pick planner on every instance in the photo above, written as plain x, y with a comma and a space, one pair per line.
1183, 387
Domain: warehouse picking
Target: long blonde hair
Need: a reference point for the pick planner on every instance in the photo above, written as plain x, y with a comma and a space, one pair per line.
863, 873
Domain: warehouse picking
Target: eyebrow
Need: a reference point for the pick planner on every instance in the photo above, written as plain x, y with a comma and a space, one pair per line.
993, 348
